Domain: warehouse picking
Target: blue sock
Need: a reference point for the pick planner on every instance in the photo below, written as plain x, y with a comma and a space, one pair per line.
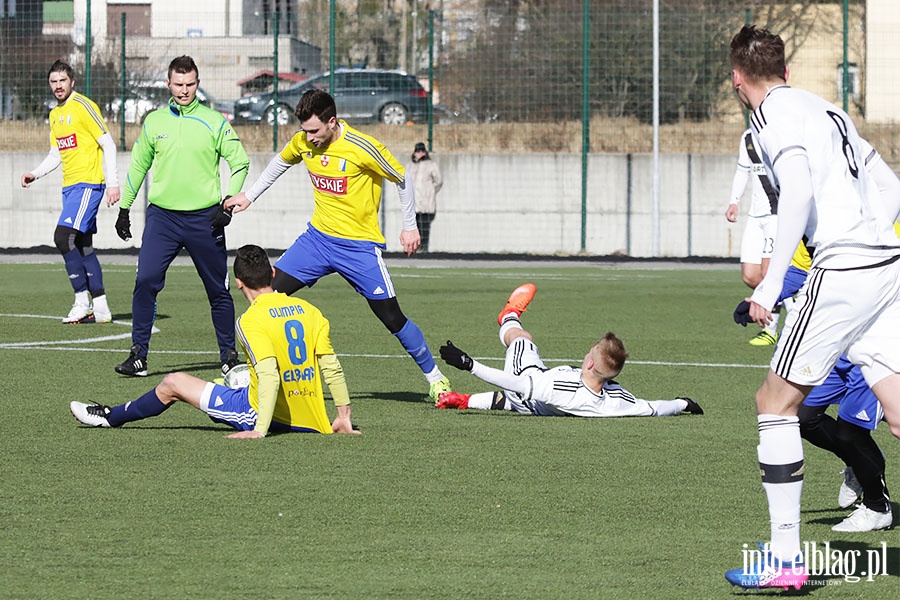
75, 269
148, 405
94, 273
413, 341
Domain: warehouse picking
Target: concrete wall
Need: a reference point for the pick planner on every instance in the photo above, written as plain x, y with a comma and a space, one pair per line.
490, 203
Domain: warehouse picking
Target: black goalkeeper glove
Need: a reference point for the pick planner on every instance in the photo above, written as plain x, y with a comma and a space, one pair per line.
123, 225
455, 357
742, 314
223, 216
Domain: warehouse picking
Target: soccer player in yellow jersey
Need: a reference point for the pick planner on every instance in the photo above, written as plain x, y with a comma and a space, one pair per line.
347, 170
81, 142
289, 352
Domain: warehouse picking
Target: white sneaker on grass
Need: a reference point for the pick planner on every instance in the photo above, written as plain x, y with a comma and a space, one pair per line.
90, 414
865, 519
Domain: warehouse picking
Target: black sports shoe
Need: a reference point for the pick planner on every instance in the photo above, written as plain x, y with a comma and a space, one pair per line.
135, 365
230, 362
692, 407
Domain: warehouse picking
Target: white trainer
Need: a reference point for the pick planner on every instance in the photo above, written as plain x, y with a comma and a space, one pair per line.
79, 314
90, 414
102, 314
865, 519
851, 490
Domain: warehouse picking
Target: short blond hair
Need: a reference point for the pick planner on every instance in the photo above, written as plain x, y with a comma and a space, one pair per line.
609, 356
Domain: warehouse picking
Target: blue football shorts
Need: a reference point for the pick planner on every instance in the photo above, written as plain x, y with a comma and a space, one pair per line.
314, 255
231, 407
80, 203
846, 387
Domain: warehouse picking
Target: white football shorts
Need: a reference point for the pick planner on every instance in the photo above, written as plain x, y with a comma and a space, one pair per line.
759, 239
856, 312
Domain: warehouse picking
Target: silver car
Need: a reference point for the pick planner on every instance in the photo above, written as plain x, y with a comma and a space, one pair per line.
390, 97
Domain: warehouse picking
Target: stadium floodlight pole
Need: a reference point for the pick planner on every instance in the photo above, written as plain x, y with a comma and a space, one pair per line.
655, 189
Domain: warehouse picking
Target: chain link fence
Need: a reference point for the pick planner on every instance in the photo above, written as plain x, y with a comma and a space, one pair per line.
527, 73
545, 114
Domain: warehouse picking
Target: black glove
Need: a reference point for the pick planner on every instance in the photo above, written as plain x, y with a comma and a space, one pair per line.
123, 225
223, 216
455, 357
742, 314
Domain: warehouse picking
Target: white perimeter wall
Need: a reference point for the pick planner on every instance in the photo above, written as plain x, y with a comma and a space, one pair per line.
490, 203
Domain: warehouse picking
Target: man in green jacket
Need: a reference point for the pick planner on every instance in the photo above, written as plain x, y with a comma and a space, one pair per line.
183, 142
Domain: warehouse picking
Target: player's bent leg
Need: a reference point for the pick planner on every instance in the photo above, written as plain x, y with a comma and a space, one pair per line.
181, 386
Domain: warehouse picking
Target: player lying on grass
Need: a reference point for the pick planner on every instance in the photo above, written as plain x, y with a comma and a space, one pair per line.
289, 349
531, 388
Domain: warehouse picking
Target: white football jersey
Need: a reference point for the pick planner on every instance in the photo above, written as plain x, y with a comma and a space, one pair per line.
848, 225
560, 392
747, 168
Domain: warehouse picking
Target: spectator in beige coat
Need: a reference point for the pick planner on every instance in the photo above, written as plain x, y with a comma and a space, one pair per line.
427, 182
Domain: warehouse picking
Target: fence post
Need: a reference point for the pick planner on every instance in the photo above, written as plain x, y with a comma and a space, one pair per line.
585, 114
122, 91
275, 107
430, 104
88, 42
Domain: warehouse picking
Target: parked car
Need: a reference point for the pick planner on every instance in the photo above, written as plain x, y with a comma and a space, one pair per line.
142, 99
390, 97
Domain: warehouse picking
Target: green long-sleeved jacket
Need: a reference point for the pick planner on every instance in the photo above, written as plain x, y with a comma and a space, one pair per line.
183, 144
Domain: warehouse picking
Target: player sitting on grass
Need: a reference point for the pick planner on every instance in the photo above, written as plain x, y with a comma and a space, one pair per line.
532, 389
289, 349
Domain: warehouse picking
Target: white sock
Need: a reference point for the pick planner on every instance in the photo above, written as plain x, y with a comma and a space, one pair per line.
482, 400
434, 375
100, 304
780, 454
772, 327
82, 298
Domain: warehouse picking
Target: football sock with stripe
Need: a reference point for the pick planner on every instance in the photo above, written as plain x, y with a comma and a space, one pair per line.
75, 268
780, 454
413, 341
148, 405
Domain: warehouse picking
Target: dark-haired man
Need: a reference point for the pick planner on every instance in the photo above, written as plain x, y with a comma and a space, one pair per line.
81, 142
851, 303
183, 143
347, 169
289, 353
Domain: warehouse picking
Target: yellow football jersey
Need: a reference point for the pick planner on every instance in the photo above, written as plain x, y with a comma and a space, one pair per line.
347, 179
74, 129
294, 332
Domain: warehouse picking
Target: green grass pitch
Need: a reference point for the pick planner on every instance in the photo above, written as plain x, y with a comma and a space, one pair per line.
426, 503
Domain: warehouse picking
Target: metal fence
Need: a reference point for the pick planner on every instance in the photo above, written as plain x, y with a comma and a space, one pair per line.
535, 75
595, 127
